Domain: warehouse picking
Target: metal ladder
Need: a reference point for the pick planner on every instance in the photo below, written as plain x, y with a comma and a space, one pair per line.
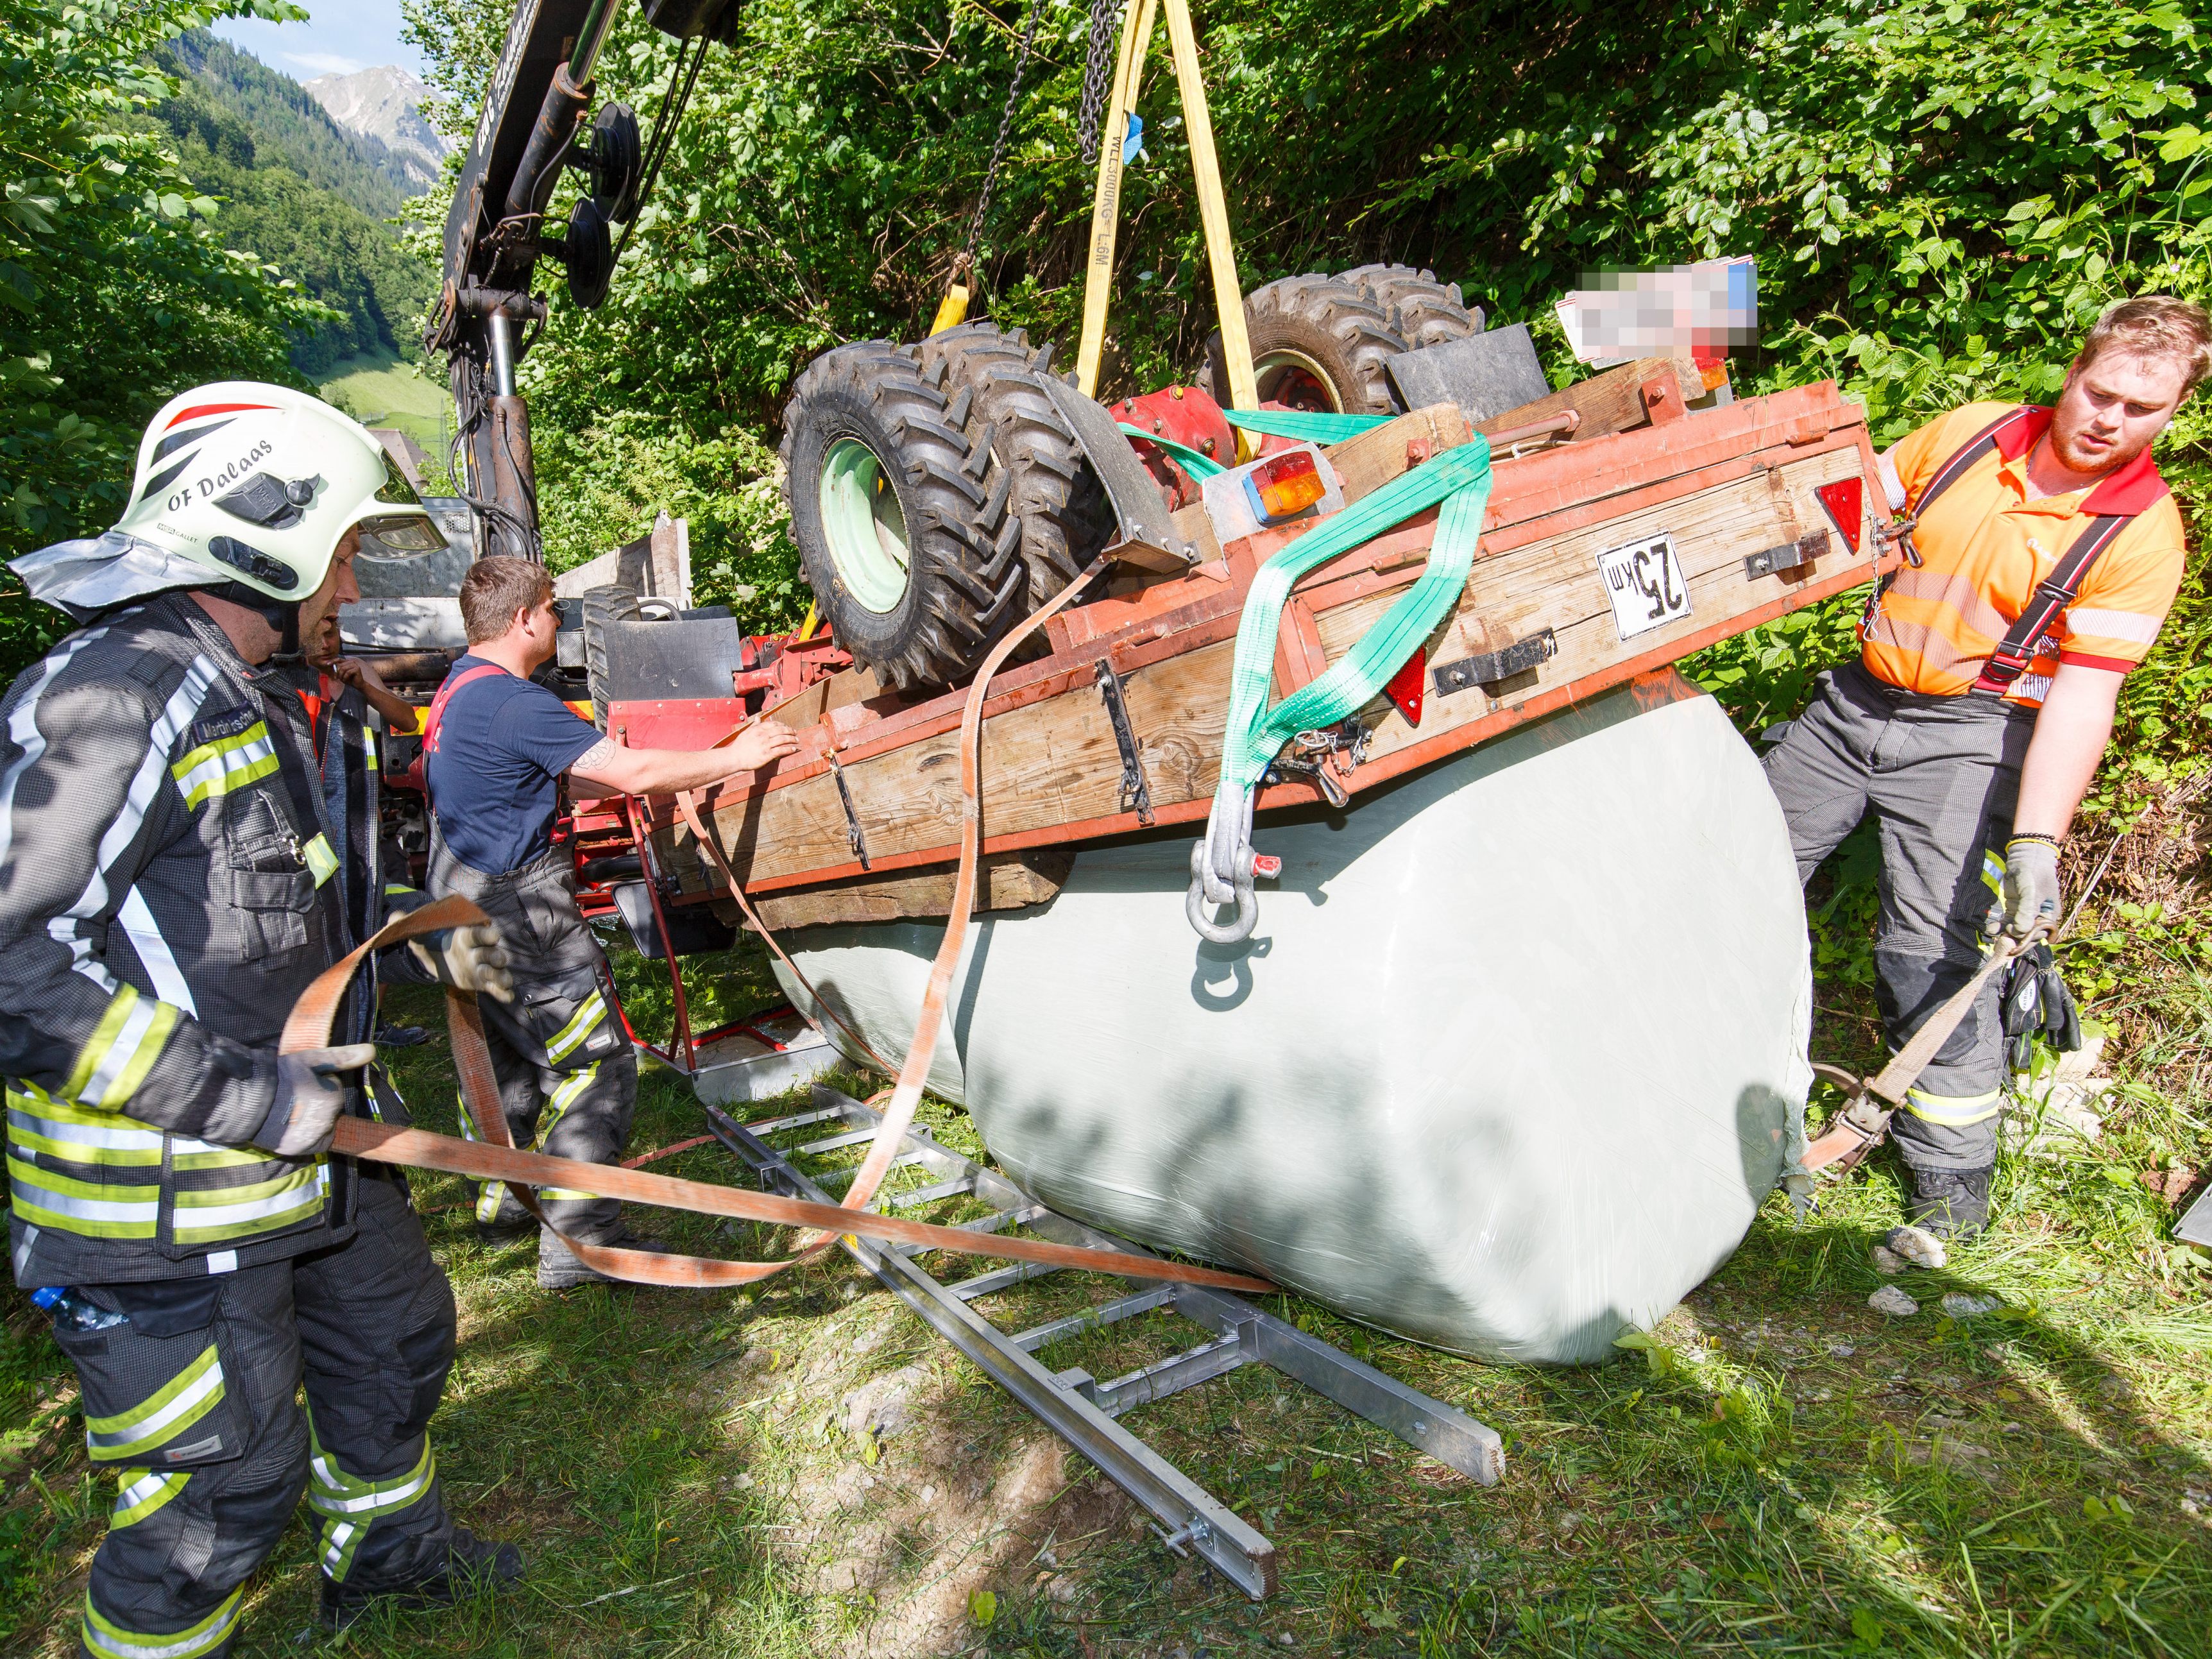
1080, 1409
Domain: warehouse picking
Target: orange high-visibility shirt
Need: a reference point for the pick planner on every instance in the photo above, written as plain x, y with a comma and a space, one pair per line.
1985, 546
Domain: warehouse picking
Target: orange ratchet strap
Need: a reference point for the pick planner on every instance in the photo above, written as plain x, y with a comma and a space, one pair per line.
493, 1156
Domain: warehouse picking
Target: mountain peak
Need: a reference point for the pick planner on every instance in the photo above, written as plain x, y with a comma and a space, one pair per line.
386, 104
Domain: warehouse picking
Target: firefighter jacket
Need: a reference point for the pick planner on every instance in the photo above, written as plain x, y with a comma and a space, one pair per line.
166, 895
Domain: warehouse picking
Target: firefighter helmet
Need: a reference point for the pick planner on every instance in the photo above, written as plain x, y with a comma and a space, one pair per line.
240, 486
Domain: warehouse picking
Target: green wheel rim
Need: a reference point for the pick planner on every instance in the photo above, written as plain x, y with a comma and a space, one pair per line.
865, 527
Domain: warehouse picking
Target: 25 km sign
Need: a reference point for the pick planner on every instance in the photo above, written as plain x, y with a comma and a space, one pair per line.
1643, 580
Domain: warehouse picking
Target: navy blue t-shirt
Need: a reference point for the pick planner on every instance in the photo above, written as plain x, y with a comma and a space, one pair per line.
495, 780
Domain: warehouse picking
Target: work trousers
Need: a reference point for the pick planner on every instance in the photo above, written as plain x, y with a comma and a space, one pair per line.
1941, 776
192, 1403
567, 1075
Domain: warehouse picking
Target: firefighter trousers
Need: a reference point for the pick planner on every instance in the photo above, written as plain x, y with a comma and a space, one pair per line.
191, 1403
1941, 776
567, 1075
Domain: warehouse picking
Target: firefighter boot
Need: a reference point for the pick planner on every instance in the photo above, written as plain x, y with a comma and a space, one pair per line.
473, 1565
558, 1268
1950, 1203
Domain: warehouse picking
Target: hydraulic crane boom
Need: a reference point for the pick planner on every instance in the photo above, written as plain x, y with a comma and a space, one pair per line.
535, 123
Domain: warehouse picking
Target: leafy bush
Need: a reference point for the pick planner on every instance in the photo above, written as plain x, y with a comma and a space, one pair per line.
114, 292
1942, 193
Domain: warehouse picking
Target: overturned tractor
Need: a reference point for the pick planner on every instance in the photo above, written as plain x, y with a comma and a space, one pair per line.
1359, 895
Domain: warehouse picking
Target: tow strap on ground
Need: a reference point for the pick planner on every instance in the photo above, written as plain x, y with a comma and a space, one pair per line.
1858, 1127
494, 1157
1223, 864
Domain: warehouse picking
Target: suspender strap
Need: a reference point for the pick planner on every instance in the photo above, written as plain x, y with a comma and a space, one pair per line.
437, 714
1983, 443
2052, 595
435, 718
2009, 660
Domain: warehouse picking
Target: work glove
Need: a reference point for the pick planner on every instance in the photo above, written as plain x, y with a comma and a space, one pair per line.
309, 1097
2037, 1004
2030, 898
470, 958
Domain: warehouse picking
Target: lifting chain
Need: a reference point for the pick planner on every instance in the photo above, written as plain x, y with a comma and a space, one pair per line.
999, 150
1097, 71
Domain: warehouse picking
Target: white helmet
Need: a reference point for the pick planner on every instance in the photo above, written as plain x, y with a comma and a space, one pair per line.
240, 485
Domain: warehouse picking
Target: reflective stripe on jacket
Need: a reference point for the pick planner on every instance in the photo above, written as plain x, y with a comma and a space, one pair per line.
165, 896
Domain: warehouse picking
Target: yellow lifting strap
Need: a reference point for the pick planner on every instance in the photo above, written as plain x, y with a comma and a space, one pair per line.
951, 310
1137, 27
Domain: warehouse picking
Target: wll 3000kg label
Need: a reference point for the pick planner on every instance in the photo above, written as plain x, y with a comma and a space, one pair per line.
1643, 580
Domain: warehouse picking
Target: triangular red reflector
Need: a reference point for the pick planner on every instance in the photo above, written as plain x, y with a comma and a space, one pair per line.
1405, 687
1845, 500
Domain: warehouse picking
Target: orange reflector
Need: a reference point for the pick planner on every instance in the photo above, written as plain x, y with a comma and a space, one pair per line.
1285, 486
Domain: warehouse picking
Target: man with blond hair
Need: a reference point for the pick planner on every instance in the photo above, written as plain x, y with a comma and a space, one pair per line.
2049, 550
496, 747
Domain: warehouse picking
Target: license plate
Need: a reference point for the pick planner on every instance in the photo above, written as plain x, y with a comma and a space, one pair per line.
1643, 580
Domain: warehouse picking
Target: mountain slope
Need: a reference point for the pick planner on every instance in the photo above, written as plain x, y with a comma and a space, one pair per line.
289, 126
384, 107
300, 194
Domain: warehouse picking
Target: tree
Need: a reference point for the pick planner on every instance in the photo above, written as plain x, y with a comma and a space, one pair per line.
115, 293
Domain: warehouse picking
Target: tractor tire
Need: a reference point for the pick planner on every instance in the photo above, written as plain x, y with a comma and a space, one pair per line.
1430, 313
1065, 518
902, 522
602, 605
1317, 343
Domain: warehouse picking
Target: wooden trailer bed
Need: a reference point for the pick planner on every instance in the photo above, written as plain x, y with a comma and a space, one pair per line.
1731, 489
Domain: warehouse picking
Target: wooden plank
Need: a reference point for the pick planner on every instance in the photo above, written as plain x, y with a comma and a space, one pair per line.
1555, 583
1054, 762
1608, 403
1372, 459
1004, 881
806, 707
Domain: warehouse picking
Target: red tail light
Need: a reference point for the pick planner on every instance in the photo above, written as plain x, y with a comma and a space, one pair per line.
1285, 487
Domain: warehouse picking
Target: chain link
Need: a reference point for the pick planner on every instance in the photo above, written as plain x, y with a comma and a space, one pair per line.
1097, 71
999, 150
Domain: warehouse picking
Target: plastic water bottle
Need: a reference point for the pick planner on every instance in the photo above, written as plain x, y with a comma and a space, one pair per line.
78, 1313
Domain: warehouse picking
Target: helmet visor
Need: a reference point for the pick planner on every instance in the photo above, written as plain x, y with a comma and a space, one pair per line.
401, 535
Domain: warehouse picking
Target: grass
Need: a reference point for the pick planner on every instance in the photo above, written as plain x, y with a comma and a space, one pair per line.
379, 389
1781, 1470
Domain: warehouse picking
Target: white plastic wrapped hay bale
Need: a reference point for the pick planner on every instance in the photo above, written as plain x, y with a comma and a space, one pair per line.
1513, 1054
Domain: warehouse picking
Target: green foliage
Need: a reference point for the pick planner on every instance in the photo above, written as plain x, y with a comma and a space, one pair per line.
620, 472
115, 292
